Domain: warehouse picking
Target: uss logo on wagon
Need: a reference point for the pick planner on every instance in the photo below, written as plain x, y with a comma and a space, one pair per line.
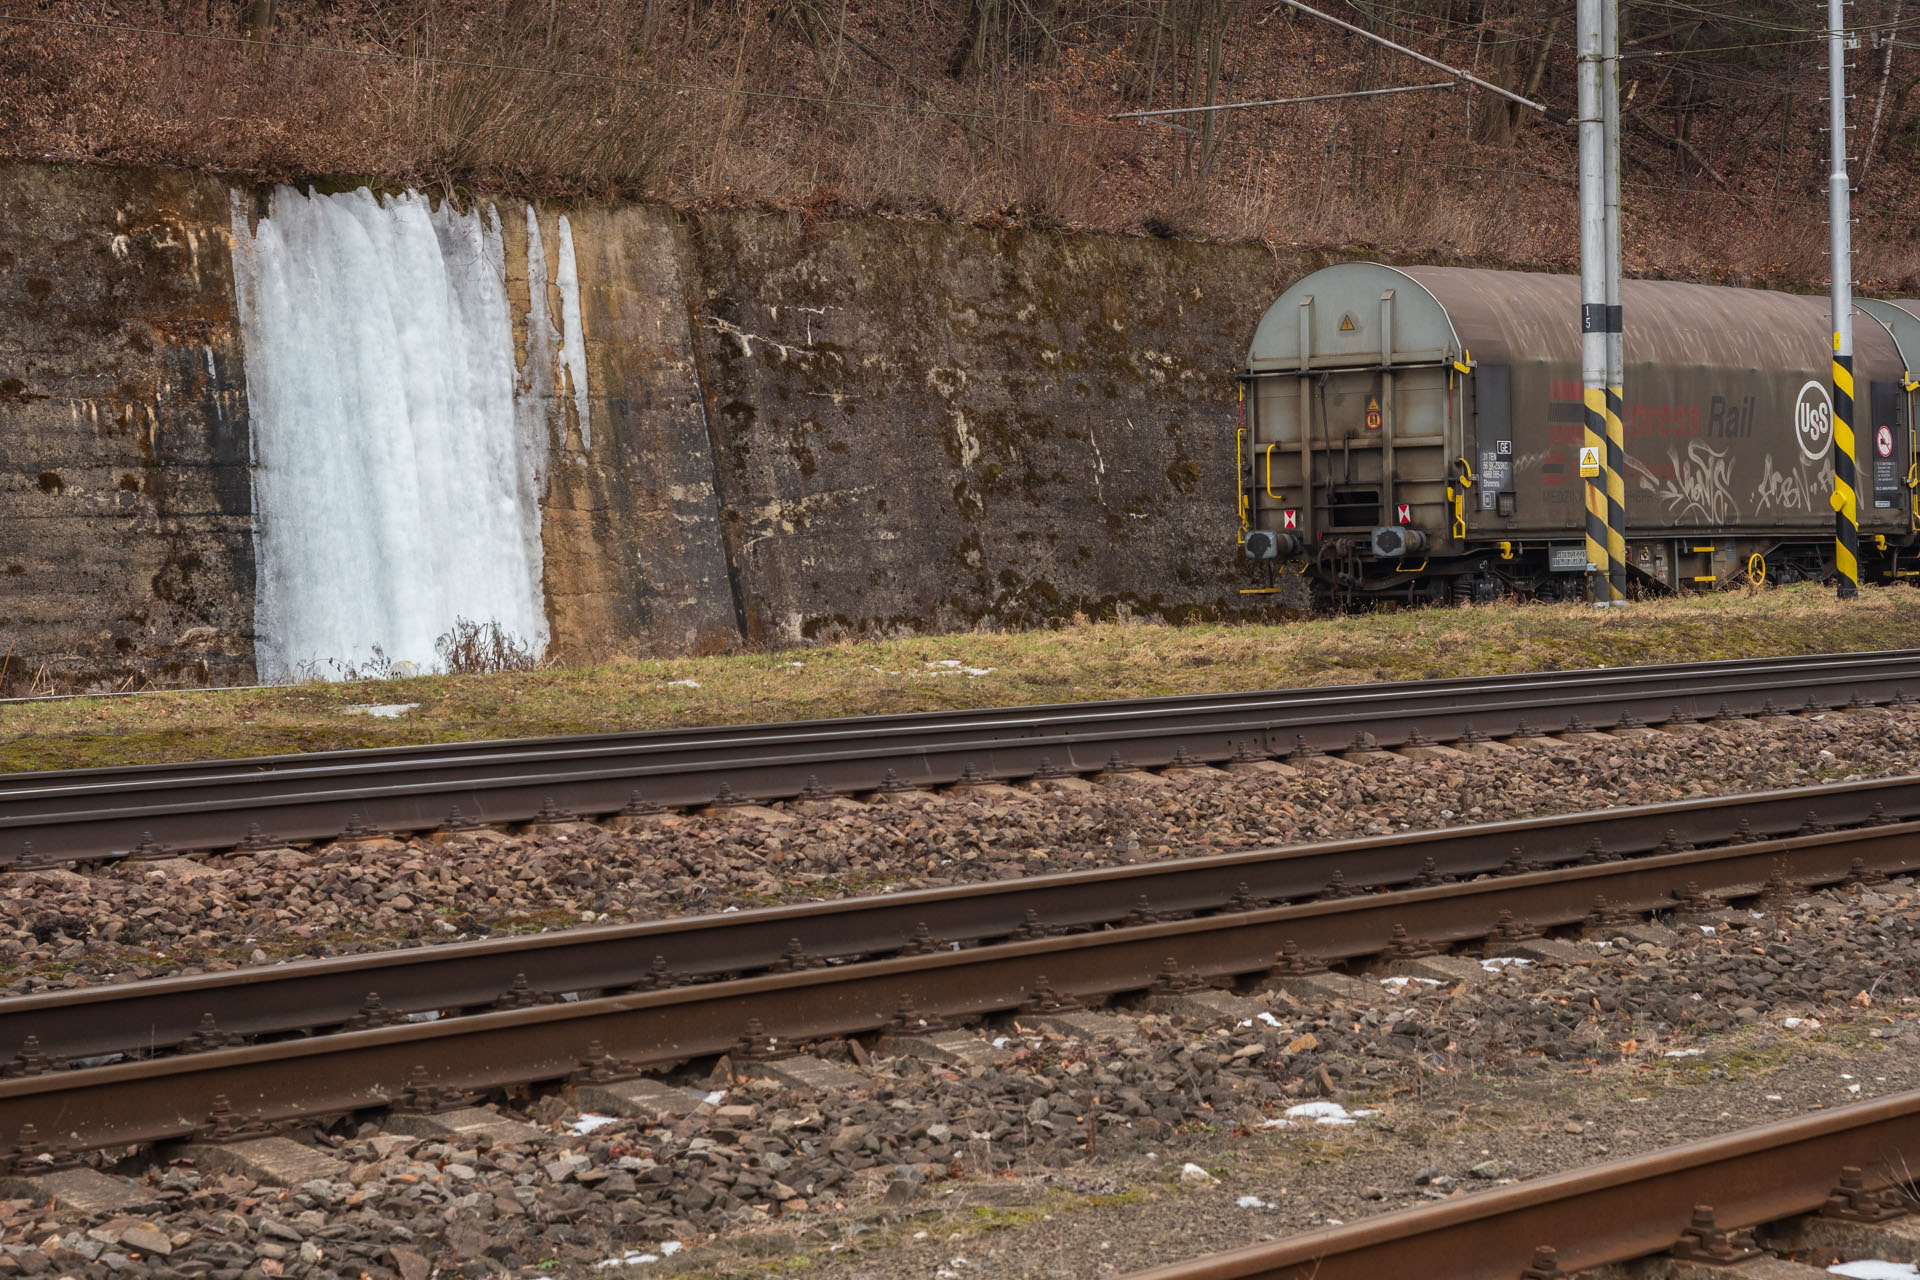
1813, 421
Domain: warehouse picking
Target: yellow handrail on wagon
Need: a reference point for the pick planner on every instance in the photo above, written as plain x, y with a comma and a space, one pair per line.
1239, 478
1458, 499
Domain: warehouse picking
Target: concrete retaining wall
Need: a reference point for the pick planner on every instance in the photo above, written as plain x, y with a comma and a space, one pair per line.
801, 430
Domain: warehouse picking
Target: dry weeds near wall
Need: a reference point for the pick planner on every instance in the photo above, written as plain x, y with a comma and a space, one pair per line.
995, 112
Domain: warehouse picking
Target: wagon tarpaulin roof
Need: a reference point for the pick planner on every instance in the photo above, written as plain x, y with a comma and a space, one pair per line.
1518, 317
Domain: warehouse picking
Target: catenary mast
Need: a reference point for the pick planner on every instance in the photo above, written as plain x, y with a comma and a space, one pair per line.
1615, 459
1593, 294
1846, 502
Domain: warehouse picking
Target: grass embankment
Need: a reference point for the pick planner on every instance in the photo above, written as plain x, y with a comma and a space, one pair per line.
1082, 661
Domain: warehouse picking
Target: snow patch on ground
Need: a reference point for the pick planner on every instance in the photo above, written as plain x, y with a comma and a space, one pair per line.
939, 667
588, 1121
1318, 1113
634, 1257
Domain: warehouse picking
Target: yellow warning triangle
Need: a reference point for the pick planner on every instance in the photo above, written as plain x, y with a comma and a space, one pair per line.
1373, 405
1346, 324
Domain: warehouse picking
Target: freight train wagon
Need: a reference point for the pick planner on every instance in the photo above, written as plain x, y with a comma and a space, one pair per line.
1414, 434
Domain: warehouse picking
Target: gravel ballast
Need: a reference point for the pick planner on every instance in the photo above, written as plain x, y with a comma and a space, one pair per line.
1318, 1109
1052, 1149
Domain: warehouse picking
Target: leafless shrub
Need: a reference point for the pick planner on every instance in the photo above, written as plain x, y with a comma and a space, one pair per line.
554, 123
376, 666
989, 111
475, 648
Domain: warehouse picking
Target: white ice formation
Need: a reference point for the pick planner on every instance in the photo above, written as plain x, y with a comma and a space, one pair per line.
573, 344
396, 480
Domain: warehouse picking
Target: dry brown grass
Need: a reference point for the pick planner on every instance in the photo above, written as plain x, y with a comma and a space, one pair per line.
1080, 661
829, 108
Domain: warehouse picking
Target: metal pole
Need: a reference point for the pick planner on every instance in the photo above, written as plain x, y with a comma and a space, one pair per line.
1593, 294
1616, 457
1846, 512
1435, 63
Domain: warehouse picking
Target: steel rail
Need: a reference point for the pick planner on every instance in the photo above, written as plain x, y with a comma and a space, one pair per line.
211, 805
1609, 1213
177, 1095
156, 1014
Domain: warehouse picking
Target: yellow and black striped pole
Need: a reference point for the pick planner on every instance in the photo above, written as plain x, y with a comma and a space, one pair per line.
1616, 493
1846, 506
1616, 455
1588, 19
1593, 452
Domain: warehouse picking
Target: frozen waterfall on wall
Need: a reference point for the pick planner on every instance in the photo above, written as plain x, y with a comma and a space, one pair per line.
395, 485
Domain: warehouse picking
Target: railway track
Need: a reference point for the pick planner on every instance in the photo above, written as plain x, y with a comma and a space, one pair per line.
653, 996
209, 806
157, 1014
1849, 1168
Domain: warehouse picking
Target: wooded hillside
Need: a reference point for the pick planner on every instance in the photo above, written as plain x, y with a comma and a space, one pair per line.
996, 112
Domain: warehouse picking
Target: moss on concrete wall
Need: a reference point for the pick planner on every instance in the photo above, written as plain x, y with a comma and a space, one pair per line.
933, 427
126, 544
